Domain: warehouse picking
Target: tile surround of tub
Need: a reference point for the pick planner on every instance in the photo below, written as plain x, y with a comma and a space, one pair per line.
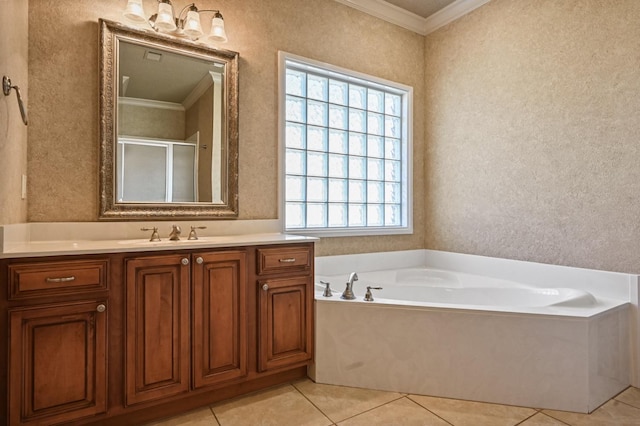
529, 360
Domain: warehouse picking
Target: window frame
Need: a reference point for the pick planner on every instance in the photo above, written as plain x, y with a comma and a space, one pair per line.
407, 141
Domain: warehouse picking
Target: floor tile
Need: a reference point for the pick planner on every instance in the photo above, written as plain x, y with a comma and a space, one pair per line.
469, 413
631, 396
541, 419
340, 402
399, 412
613, 413
281, 406
202, 417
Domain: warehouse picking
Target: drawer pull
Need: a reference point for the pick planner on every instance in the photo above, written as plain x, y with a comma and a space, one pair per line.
60, 280
101, 308
265, 287
288, 260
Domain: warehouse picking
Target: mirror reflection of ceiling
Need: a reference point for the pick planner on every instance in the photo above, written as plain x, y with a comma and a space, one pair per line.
149, 73
423, 8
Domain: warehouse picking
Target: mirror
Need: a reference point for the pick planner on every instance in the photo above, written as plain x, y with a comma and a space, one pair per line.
169, 127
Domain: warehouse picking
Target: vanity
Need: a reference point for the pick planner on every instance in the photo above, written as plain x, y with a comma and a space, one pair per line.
123, 332
120, 328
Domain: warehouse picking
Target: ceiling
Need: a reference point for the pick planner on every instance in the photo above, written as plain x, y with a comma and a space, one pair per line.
420, 16
423, 8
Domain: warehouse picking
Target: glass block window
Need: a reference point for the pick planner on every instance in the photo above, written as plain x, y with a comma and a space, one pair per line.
346, 150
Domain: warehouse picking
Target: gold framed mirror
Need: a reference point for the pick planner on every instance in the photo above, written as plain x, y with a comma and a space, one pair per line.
168, 129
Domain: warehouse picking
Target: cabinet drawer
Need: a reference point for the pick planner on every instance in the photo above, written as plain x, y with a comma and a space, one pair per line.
284, 259
56, 278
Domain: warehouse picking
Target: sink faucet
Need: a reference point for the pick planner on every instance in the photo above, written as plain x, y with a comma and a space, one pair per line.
175, 233
348, 292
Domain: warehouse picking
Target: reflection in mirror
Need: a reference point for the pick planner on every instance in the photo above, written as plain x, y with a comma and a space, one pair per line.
169, 127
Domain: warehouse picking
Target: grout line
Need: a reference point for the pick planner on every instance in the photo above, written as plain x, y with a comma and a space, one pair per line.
311, 402
214, 415
625, 403
426, 409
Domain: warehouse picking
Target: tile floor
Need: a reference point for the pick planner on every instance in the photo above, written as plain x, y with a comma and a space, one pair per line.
305, 403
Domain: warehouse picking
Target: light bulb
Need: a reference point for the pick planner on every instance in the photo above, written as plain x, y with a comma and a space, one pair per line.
165, 20
135, 12
192, 27
217, 33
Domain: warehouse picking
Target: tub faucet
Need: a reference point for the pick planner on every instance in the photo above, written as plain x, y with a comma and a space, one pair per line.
348, 292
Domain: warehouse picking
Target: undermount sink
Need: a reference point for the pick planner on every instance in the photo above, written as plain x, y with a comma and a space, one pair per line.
167, 242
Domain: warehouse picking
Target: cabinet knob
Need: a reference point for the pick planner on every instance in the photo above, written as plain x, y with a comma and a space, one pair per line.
101, 308
185, 261
199, 260
265, 287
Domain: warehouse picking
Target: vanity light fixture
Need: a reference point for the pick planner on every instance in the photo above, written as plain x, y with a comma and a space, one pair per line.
186, 24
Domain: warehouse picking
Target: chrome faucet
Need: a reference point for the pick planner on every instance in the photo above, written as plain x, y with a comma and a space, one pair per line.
348, 292
175, 233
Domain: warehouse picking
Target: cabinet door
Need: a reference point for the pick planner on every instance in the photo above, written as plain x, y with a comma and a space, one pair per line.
286, 323
58, 363
219, 317
157, 327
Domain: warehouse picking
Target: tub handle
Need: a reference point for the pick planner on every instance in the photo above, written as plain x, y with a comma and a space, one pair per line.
327, 290
368, 297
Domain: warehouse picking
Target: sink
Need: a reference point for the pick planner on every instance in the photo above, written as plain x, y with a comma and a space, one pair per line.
167, 242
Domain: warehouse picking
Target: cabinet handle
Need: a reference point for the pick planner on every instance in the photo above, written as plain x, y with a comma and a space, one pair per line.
101, 308
288, 260
185, 261
199, 260
60, 280
265, 287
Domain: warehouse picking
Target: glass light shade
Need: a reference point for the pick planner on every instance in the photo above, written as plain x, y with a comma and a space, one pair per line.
135, 12
217, 30
165, 20
192, 27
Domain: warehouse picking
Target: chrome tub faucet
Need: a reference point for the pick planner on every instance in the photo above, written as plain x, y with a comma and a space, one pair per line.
348, 292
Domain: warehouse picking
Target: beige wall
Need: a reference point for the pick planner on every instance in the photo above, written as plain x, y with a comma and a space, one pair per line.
63, 72
533, 124
13, 134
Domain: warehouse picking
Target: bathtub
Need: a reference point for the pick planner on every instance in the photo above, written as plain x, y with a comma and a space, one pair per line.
475, 328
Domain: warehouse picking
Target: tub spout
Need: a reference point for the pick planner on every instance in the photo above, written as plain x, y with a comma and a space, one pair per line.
348, 292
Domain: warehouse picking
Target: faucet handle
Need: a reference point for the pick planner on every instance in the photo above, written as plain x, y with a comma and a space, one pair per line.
368, 297
154, 234
192, 234
327, 290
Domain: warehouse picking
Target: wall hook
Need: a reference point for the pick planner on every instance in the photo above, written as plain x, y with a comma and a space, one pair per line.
6, 89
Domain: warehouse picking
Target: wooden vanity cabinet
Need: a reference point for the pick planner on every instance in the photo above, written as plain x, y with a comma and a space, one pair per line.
156, 327
285, 306
56, 314
57, 363
125, 338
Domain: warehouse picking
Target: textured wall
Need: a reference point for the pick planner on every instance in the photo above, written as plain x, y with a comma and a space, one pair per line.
13, 134
63, 70
532, 126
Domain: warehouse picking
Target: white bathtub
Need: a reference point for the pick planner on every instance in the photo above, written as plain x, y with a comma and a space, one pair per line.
533, 335
428, 287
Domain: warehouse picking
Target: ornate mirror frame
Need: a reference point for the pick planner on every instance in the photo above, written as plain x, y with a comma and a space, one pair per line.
110, 35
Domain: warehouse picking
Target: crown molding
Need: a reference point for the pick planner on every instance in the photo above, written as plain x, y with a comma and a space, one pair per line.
455, 10
403, 18
388, 12
150, 103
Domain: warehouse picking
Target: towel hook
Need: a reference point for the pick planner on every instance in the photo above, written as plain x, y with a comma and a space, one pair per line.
6, 89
